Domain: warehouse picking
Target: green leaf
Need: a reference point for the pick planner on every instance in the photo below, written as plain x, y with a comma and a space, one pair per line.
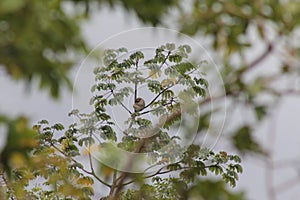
116, 75
168, 94
184, 67
200, 91
201, 81
137, 55
174, 167
154, 86
43, 122
108, 133
86, 141
155, 70
229, 179
243, 141
10, 6
185, 48
188, 175
58, 127
176, 58
170, 46
238, 168
216, 169
111, 86
103, 116
260, 111
123, 50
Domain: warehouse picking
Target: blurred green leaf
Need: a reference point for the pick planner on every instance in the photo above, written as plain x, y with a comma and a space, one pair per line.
244, 142
38, 39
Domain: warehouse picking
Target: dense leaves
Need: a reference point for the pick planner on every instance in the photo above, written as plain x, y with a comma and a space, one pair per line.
55, 154
37, 39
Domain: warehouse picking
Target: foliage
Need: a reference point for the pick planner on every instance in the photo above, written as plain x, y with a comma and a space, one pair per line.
39, 37
251, 84
37, 42
171, 188
54, 164
228, 21
20, 140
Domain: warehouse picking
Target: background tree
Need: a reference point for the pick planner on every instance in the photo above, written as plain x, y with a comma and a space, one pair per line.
37, 45
38, 39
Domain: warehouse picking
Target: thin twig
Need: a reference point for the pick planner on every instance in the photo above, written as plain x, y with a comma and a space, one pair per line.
160, 93
84, 170
161, 65
122, 104
135, 81
160, 172
145, 112
268, 50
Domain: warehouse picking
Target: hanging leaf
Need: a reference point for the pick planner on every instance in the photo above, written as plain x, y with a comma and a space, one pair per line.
154, 86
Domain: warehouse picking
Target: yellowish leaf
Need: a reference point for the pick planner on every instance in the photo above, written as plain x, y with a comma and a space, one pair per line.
169, 81
17, 160
154, 73
93, 148
164, 160
85, 181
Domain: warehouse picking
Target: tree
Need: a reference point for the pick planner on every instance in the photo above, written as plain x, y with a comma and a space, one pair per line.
230, 26
39, 39
256, 44
174, 89
37, 44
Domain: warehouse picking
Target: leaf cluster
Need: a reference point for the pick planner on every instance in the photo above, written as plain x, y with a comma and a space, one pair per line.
56, 157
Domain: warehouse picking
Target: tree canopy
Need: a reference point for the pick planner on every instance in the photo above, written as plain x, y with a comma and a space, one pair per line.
56, 154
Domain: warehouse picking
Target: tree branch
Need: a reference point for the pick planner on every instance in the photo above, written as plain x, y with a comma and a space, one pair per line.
112, 189
160, 93
135, 81
159, 171
145, 112
138, 149
267, 51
